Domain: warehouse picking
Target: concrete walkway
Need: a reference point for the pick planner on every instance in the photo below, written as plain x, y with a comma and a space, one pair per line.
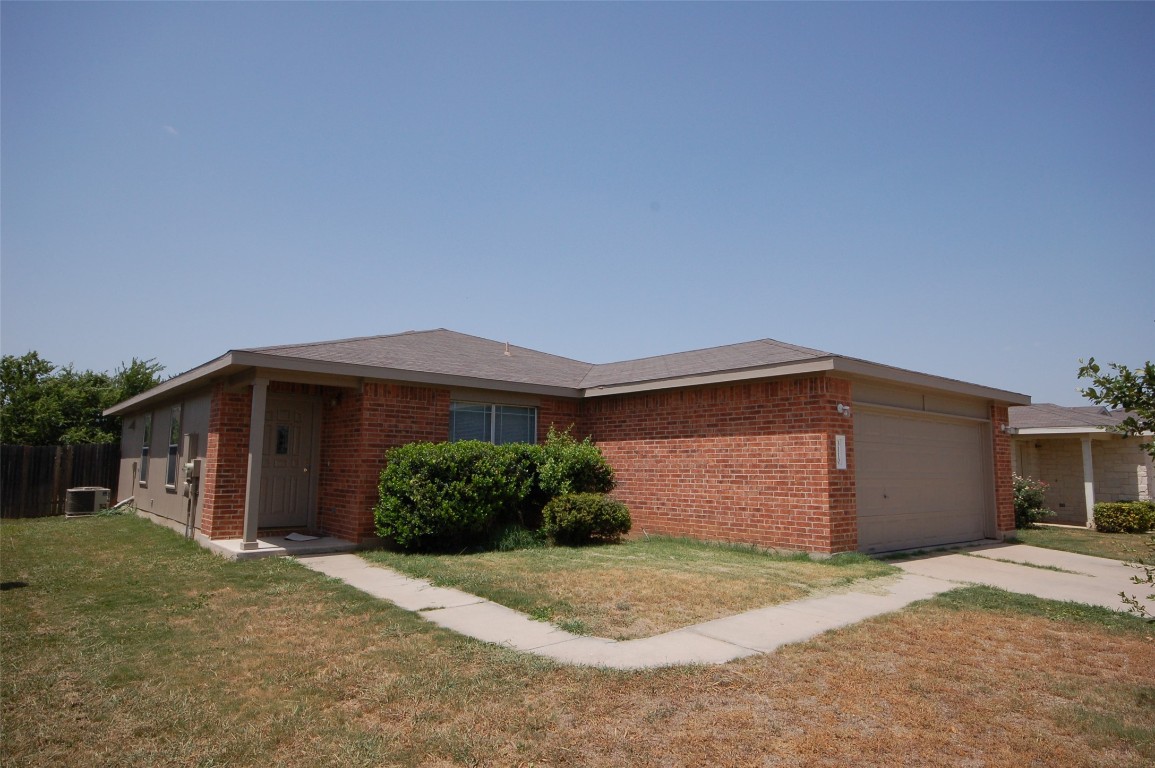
1090, 580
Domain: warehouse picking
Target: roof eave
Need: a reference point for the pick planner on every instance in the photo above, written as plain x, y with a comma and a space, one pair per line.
721, 377
360, 371
914, 378
175, 384
832, 363
240, 359
1072, 431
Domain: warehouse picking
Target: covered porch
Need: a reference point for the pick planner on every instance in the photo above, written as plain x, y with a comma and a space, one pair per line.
1083, 468
291, 456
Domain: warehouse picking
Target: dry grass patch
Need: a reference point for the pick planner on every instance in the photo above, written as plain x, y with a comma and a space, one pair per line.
130, 647
637, 588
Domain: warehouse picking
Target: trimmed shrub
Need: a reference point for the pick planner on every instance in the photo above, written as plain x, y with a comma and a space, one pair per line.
569, 466
1029, 501
1124, 516
451, 495
581, 518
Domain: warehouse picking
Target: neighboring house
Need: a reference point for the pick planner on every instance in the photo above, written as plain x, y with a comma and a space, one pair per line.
1082, 462
763, 443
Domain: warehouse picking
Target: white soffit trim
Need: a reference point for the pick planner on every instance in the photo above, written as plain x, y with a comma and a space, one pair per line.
1067, 431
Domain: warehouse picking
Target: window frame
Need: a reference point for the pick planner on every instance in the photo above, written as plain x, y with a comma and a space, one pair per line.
145, 449
492, 419
171, 477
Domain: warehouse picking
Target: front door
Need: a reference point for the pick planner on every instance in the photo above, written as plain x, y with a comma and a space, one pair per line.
287, 485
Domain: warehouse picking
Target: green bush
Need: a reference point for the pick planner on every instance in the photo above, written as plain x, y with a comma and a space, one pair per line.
581, 518
452, 495
1124, 516
1029, 501
569, 466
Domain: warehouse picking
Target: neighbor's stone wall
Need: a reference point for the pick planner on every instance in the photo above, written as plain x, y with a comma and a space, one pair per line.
1059, 464
1122, 470
751, 462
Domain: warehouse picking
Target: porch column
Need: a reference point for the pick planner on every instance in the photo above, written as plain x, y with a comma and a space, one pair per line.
256, 455
1089, 482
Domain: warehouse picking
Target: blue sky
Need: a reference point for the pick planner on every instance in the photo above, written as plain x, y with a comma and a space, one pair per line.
962, 189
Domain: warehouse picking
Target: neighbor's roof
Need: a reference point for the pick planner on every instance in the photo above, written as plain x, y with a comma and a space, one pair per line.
447, 358
1048, 417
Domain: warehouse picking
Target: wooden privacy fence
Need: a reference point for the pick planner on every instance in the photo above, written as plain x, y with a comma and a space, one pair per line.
34, 480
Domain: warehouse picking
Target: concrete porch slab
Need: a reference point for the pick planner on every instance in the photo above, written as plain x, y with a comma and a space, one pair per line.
275, 546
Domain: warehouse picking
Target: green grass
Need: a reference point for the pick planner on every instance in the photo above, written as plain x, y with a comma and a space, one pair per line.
1116, 546
990, 599
639, 587
128, 646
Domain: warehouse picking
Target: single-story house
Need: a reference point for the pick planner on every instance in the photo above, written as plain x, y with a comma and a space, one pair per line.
1074, 451
763, 442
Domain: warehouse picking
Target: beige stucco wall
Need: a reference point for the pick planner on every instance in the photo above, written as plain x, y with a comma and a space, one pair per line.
154, 496
1122, 471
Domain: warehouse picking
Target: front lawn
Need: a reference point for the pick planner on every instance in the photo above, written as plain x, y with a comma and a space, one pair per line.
124, 645
640, 587
1116, 546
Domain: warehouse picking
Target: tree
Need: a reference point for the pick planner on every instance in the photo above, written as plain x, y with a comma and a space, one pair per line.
1131, 390
41, 404
1134, 392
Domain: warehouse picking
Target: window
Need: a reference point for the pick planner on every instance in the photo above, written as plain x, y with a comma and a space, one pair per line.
282, 447
492, 423
173, 447
144, 449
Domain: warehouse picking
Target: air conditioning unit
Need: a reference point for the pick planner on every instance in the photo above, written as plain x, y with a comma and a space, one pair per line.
85, 501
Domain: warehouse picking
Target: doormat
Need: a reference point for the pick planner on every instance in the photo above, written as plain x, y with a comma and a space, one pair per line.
300, 537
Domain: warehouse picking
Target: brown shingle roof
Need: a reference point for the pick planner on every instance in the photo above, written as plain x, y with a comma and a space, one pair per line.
442, 351
732, 357
1049, 415
447, 352
470, 361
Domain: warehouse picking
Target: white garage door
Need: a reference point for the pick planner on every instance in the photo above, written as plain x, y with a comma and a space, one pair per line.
921, 482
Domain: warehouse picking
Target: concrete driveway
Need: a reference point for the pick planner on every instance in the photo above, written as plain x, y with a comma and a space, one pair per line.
1028, 570
1017, 568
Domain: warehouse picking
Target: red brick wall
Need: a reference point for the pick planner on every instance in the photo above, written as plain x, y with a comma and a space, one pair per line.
556, 413
1004, 481
751, 462
226, 464
357, 429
